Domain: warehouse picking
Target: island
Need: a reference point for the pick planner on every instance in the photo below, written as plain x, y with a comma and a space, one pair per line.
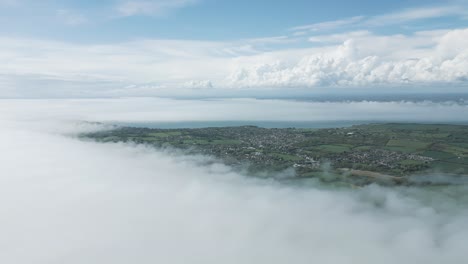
359, 155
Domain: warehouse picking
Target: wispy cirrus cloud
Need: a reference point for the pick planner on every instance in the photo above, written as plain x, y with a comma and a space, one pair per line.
9, 2
339, 37
71, 18
329, 25
459, 10
413, 14
151, 7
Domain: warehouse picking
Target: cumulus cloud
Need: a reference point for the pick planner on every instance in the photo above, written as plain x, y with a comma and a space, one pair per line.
358, 58
364, 60
65, 200
206, 84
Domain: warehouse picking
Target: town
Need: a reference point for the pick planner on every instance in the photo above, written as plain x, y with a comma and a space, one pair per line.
393, 150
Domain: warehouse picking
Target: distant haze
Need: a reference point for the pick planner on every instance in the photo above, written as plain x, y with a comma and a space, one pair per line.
225, 110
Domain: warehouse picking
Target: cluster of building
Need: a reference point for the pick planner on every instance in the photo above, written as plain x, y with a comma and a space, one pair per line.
380, 158
278, 147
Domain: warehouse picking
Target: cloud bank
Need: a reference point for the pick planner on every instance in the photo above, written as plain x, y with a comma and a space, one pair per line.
64, 200
365, 59
147, 67
169, 110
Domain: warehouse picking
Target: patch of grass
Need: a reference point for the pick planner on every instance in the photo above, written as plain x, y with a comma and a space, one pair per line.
462, 145
286, 157
111, 139
440, 155
333, 148
312, 174
226, 142
150, 139
418, 127
196, 142
364, 148
400, 149
411, 162
457, 151
411, 145
165, 134
428, 136
450, 167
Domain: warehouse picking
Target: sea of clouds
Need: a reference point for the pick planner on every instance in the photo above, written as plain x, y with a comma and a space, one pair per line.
63, 200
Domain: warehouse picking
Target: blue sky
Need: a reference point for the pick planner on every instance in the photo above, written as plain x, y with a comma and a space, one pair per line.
143, 47
101, 21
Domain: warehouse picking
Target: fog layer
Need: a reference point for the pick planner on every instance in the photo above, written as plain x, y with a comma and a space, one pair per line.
170, 110
63, 200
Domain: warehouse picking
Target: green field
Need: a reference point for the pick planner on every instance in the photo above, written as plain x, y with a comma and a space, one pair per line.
332, 148
388, 149
408, 145
165, 134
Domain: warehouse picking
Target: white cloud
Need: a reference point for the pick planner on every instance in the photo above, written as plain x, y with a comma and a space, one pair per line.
151, 7
34, 68
417, 14
64, 200
161, 61
365, 59
205, 84
340, 37
271, 40
453, 9
329, 25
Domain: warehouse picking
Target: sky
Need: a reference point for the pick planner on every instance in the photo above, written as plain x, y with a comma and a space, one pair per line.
66, 200
69, 67
115, 48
